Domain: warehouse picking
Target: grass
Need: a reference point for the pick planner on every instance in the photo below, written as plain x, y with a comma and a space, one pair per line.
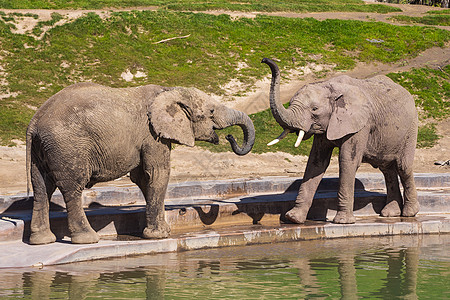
99, 50
186, 5
289, 5
427, 136
435, 19
439, 12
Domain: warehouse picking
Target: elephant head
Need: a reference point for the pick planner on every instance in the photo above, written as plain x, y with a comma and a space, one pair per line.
335, 107
184, 115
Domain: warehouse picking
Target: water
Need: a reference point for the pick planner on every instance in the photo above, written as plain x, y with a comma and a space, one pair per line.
408, 267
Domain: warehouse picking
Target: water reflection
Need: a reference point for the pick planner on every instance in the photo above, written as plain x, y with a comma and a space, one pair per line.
347, 268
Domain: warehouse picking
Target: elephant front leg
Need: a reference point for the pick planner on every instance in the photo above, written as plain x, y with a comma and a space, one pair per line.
152, 178
154, 192
350, 157
318, 161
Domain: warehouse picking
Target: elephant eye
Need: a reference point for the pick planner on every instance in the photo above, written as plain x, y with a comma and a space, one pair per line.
212, 111
315, 108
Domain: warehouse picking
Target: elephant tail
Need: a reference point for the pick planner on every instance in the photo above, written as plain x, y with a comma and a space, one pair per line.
29, 141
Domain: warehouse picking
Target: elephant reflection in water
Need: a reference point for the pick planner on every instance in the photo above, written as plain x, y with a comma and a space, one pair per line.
41, 284
308, 278
402, 274
54, 284
401, 277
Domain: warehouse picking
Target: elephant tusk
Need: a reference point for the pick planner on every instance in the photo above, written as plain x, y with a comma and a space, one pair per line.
300, 138
282, 136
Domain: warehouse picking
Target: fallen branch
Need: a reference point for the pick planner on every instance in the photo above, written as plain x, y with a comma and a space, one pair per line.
172, 38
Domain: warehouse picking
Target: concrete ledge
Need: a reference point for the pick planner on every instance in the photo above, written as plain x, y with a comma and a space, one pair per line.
18, 254
218, 189
195, 214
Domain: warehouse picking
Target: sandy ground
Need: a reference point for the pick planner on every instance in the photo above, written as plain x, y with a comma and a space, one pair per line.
189, 164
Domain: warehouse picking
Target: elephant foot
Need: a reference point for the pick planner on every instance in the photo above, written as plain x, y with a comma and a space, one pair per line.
42, 237
344, 217
85, 237
410, 209
296, 215
391, 209
156, 232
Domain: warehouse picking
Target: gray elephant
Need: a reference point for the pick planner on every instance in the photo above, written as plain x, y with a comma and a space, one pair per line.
372, 120
88, 133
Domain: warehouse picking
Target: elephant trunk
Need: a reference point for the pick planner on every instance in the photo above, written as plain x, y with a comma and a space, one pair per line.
282, 115
234, 117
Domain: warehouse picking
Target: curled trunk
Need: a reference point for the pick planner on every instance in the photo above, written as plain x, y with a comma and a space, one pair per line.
282, 115
231, 117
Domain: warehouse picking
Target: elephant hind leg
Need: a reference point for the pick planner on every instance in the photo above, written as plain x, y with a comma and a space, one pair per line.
411, 204
71, 186
394, 201
81, 231
43, 188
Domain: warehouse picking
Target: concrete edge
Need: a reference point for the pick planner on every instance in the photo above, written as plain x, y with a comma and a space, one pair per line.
220, 189
68, 253
189, 215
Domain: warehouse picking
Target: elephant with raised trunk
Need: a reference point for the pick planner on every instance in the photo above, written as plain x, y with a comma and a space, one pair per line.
89, 133
370, 120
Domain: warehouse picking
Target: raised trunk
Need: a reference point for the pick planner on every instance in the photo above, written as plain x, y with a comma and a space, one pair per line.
282, 115
228, 117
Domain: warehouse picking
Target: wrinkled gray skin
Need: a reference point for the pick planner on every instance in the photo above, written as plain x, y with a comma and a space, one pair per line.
88, 133
372, 120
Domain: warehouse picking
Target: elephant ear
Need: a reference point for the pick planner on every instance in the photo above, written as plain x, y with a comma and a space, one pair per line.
350, 110
169, 116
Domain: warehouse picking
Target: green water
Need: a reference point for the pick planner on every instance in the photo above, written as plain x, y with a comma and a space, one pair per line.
408, 267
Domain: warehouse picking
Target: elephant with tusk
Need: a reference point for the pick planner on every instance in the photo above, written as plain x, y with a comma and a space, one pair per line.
89, 133
370, 120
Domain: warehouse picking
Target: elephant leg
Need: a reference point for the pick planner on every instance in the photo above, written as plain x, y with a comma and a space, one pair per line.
152, 177
318, 161
81, 231
411, 204
394, 201
71, 186
350, 158
43, 188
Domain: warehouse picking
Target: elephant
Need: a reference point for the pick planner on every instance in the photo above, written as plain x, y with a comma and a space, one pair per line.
369, 120
89, 133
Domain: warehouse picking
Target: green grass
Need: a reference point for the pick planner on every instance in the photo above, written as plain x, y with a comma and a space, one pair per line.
427, 136
55, 17
185, 5
435, 19
439, 12
289, 5
99, 50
